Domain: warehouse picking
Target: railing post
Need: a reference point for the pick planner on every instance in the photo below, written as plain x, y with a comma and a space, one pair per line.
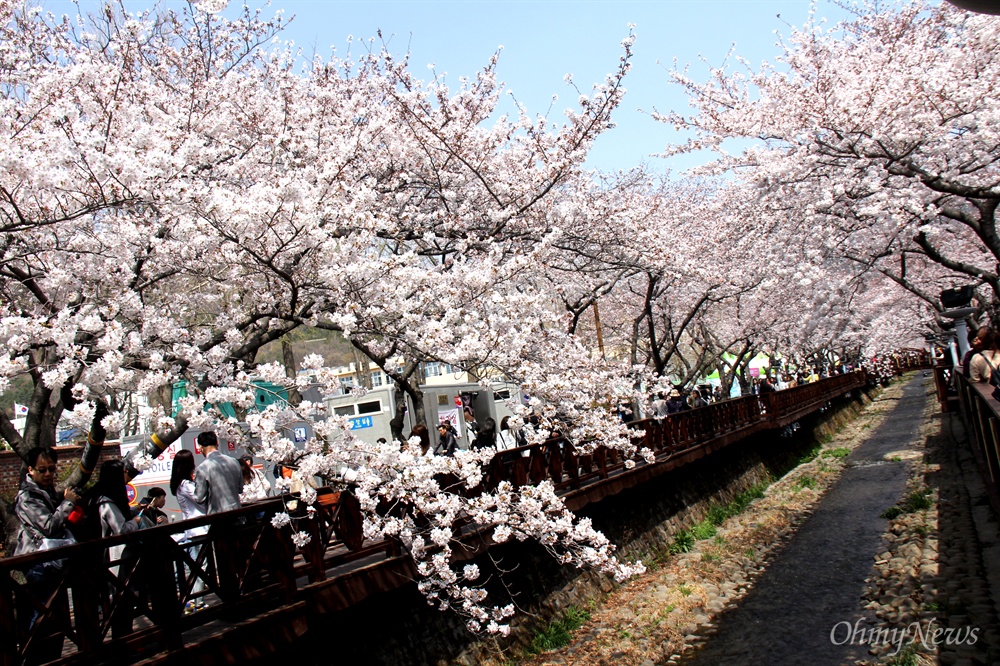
86, 600
8, 622
990, 452
536, 467
314, 551
556, 460
165, 605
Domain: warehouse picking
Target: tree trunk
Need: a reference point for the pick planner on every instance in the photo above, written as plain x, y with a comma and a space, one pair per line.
407, 387
288, 359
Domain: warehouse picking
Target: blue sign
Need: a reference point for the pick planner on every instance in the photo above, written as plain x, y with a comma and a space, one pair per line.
359, 422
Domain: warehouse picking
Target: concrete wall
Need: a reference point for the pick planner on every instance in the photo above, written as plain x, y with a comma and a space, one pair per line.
641, 521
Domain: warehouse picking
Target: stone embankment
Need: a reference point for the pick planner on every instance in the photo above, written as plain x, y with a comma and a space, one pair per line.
932, 569
936, 581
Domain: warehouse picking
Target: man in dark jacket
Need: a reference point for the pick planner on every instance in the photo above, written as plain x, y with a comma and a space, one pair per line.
42, 510
447, 441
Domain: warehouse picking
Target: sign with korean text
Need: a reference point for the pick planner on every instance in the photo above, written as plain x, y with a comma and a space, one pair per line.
359, 422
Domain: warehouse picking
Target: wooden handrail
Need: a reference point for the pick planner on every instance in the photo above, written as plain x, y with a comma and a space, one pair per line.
981, 414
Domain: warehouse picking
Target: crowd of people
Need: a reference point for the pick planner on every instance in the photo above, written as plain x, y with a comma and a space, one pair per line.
678, 399
488, 435
49, 518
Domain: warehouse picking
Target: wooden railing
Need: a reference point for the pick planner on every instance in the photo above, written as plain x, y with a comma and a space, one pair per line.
982, 418
135, 607
670, 437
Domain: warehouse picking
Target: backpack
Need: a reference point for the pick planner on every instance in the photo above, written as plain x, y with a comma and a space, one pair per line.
994, 377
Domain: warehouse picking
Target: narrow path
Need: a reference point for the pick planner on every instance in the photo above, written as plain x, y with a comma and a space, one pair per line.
817, 580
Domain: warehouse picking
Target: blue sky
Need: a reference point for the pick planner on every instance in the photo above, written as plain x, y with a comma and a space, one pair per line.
544, 40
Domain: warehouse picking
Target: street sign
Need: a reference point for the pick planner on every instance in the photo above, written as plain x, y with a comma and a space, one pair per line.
359, 422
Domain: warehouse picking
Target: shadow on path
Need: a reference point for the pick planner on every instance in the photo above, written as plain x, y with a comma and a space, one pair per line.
818, 579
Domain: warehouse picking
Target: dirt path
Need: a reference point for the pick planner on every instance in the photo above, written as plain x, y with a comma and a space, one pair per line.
662, 616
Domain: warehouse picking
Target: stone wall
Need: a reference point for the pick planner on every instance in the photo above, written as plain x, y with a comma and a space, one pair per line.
641, 521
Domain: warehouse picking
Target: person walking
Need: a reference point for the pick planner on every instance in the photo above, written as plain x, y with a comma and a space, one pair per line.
255, 486
110, 515
447, 442
659, 407
218, 481
182, 487
675, 403
486, 438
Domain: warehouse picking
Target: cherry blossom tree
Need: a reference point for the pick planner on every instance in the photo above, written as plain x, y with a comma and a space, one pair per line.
874, 141
178, 194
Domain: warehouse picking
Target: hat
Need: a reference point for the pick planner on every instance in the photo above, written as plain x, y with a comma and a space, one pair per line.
675, 394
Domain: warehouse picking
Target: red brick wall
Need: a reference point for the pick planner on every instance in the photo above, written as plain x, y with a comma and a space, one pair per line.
10, 465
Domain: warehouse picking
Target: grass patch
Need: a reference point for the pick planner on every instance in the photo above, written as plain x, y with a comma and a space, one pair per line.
718, 513
703, 530
710, 557
682, 543
685, 590
892, 513
805, 482
838, 453
811, 454
560, 631
906, 657
918, 500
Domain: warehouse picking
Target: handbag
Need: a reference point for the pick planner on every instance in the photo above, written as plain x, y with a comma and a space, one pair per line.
51, 544
994, 378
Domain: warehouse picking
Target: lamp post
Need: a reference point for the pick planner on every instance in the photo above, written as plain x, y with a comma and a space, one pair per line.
948, 338
956, 303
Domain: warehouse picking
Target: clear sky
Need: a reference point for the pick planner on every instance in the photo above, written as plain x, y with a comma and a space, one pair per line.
544, 40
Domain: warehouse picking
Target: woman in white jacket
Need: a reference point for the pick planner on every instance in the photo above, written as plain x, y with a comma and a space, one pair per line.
182, 487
